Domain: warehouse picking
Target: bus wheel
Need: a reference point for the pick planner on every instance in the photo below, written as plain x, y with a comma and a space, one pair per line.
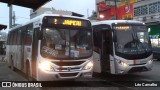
12, 64
28, 73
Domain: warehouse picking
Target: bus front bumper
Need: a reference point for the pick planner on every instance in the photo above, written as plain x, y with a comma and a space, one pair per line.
134, 68
51, 76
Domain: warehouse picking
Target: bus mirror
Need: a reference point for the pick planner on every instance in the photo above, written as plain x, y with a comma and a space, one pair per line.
40, 36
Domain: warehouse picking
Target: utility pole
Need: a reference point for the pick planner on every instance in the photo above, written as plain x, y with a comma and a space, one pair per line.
116, 8
10, 16
87, 13
14, 18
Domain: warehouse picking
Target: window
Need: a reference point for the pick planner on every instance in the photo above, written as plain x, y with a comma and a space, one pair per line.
29, 33
144, 10
11, 38
19, 37
8, 39
158, 6
15, 37
137, 11
153, 8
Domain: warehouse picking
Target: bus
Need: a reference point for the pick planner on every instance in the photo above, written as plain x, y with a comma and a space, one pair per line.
154, 33
2, 42
121, 47
52, 47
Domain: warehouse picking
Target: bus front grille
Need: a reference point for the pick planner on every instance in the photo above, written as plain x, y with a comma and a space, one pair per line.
137, 69
72, 63
136, 64
66, 69
68, 74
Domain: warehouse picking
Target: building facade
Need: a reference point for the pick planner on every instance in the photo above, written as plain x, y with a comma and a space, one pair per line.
114, 9
148, 11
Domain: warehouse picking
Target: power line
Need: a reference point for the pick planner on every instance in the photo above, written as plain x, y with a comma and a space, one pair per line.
3, 17
22, 17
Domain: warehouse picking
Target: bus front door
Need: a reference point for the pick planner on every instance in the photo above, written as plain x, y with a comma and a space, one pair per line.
23, 37
105, 51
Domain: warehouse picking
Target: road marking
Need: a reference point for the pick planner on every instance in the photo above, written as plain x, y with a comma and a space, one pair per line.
2, 62
146, 79
38, 89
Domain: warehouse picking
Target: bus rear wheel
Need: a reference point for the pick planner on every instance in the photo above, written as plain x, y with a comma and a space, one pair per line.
28, 73
12, 64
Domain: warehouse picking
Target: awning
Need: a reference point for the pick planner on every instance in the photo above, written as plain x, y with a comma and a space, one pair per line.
2, 26
34, 4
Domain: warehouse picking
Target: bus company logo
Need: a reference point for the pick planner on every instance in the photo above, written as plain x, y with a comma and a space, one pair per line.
6, 84
69, 68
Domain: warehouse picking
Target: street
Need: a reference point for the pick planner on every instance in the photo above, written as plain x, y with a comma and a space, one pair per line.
152, 75
8, 75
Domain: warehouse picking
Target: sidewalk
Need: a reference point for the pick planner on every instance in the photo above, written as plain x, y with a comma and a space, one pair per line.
2, 58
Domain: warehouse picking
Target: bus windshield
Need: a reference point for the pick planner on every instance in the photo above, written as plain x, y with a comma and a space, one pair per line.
132, 39
66, 44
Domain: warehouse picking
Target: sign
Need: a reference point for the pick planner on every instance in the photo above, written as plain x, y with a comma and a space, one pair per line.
122, 27
125, 10
64, 21
72, 22
101, 5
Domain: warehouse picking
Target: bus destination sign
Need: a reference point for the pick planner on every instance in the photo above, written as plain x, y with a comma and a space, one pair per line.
68, 22
122, 27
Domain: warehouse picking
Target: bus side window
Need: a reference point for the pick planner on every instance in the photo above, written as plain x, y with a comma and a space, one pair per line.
96, 38
11, 38
8, 39
15, 37
29, 34
19, 37
106, 42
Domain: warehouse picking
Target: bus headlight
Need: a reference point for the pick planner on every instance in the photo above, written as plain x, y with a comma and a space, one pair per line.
89, 65
150, 61
124, 64
45, 66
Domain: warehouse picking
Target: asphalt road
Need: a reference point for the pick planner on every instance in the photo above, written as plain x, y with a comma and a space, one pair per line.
153, 75
6, 74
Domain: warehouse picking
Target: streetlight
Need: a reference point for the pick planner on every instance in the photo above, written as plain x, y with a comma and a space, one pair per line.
115, 1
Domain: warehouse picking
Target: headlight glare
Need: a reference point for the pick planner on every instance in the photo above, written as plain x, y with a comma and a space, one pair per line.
45, 66
150, 61
89, 65
124, 64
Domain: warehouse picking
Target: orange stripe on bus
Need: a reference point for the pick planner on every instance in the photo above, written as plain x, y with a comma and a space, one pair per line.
60, 68
134, 61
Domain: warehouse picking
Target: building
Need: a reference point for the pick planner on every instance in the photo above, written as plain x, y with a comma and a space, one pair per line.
148, 11
114, 9
105, 10
52, 11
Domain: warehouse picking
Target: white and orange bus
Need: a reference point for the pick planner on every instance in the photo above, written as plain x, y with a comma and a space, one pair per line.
52, 47
121, 47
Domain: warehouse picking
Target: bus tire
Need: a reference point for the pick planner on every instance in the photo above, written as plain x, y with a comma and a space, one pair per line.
28, 73
12, 64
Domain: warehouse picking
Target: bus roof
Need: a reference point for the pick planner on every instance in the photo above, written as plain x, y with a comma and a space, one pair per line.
40, 17
43, 15
110, 22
